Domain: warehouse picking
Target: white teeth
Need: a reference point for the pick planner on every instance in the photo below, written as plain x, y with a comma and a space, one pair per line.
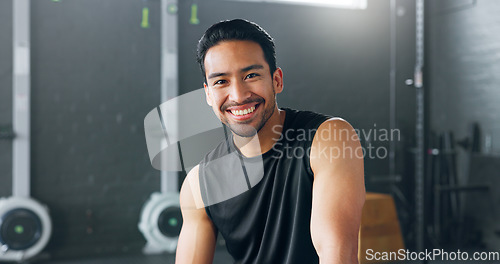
243, 112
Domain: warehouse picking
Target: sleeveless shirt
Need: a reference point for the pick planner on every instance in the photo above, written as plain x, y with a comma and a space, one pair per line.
268, 223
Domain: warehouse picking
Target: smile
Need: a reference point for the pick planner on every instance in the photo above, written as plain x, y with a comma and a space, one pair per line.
243, 112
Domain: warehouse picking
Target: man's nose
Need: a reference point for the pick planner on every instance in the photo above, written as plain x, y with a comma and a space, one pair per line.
239, 91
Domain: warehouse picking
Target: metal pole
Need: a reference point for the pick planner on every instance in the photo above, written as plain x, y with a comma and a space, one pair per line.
392, 90
21, 98
169, 73
419, 155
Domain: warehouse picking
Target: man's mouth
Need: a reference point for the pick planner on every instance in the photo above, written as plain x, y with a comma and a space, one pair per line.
244, 111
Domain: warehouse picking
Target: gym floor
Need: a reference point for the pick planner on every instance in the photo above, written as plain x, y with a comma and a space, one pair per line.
221, 257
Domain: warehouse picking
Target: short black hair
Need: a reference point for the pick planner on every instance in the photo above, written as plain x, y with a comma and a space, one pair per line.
236, 29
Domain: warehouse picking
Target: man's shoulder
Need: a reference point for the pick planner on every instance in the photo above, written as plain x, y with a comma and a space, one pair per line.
305, 119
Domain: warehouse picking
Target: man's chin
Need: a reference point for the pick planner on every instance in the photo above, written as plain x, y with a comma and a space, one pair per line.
243, 130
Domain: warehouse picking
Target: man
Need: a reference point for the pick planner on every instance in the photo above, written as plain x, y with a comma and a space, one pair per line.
306, 208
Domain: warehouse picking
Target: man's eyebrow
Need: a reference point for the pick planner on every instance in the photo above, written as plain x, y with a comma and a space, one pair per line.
216, 74
251, 67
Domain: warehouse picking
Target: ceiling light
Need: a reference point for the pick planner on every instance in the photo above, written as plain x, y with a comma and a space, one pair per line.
348, 4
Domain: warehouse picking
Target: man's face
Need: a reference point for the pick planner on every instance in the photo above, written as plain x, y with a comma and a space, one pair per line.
239, 87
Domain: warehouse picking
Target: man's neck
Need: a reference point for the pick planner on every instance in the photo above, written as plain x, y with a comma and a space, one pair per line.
265, 138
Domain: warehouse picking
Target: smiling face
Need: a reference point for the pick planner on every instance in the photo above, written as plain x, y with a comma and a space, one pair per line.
239, 86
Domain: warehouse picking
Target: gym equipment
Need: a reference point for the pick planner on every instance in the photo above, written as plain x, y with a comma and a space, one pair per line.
482, 215
161, 222
25, 225
449, 219
380, 229
25, 228
161, 219
448, 223
419, 129
472, 143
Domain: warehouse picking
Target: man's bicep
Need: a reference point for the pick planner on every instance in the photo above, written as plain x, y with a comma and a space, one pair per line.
336, 208
198, 234
338, 189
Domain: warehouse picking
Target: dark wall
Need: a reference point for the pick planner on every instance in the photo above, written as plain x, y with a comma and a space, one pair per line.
5, 95
95, 76
335, 61
464, 54
463, 61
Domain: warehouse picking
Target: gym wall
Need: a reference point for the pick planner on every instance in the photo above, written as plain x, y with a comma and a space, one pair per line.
463, 62
5, 95
96, 74
463, 69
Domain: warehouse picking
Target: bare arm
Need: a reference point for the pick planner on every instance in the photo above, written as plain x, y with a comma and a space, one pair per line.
198, 235
338, 192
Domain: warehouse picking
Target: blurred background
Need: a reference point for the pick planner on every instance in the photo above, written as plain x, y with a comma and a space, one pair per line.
424, 73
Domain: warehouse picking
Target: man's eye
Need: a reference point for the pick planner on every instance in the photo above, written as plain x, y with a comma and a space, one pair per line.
251, 75
218, 82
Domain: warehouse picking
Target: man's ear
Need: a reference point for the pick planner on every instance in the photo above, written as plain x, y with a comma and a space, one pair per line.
278, 80
207, 94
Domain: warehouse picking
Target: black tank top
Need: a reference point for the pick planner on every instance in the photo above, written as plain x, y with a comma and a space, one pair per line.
268, 223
